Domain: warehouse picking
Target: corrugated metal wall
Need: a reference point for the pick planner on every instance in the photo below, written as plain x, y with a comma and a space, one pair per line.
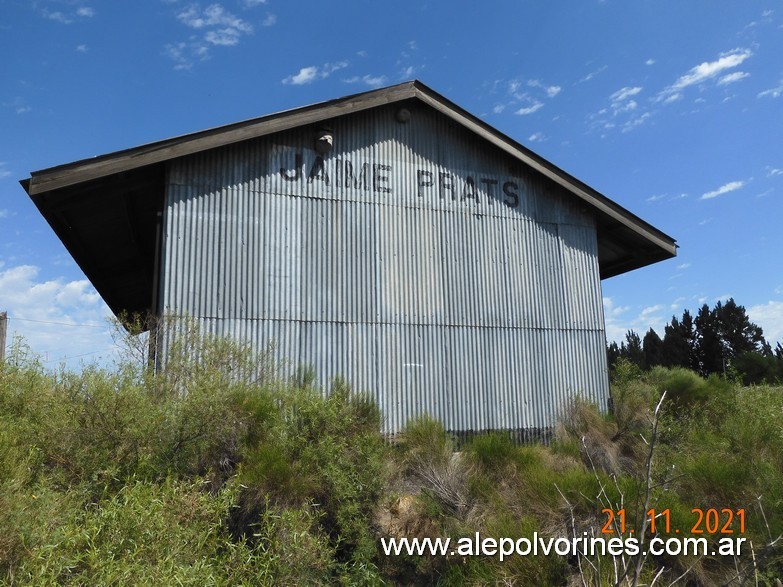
414, 259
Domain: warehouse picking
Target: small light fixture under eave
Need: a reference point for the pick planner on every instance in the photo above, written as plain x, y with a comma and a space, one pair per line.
324, 141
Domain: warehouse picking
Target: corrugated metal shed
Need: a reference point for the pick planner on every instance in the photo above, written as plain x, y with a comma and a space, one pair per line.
426, 257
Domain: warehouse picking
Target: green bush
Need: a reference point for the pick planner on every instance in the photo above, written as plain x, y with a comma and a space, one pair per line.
197, 475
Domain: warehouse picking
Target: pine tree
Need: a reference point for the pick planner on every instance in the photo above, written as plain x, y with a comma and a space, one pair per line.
678, 346
631, 349
652, 347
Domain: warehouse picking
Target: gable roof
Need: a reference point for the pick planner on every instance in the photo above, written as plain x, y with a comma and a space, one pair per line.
119, 196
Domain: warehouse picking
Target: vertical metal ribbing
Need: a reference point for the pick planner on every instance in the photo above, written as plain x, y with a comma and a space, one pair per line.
415, 279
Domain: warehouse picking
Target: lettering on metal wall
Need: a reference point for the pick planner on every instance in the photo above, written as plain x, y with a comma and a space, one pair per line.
342, 174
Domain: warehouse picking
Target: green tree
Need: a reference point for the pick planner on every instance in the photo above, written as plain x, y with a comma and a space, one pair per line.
723, 334
677, 348
652, 348
631, 349
612, 355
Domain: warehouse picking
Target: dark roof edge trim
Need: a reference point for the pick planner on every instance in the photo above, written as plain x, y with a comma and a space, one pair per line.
160, 151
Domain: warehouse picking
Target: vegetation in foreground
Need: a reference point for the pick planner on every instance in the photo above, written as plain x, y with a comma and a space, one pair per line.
114, 477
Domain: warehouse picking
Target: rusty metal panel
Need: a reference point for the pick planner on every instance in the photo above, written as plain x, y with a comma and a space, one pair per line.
422, 265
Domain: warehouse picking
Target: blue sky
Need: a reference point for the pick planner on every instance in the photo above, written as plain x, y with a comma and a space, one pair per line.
673, 109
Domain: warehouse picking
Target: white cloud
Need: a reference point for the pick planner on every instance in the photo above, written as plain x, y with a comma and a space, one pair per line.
724, 189
374, 81
270, 20
57, 16
592, 74
683, 266
407, 72
732, 77
704, 72
3, 214
656, 198
550, 91
253, 3
75, 307
624, 94
68, 18
220, 28
618, 322
226, 37
81, 49
650, 62
536, 137
710, 69
305, 76
634, 122
213, 15
615, 327
622, 111
4, 172
775, 92
673, 98
534, 107
524, 101
770, 173
179, 54
309, 74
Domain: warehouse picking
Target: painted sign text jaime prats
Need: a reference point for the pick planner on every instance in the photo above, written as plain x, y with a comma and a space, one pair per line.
309, 172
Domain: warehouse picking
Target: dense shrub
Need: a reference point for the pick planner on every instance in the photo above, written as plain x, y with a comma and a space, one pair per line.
199, 475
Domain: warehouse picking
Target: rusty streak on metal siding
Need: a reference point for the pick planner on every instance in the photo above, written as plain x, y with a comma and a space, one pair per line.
396, 262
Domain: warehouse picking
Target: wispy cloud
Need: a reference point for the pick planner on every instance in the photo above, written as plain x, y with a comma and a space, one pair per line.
622, 99
524, 97
18, 105
775, 92
57, 16
550, 91
270, 20
593, 73
374, 81
534, 107
4, 171
772, 171
621, 113
312, 73
732, 186
536, 137
68, 17
650, 62
732, 77
218, 28
216, 18
703, 72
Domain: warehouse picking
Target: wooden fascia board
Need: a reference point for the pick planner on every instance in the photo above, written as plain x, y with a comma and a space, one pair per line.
74, 173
